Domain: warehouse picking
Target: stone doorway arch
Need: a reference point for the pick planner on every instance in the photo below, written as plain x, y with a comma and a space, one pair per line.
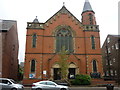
55, 72
72, 70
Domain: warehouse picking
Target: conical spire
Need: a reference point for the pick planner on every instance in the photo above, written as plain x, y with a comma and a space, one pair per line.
87, 6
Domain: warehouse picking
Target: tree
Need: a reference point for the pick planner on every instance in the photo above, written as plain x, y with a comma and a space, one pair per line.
63, 63
20, 73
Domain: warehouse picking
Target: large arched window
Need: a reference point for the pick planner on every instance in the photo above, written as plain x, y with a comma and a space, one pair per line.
34, 38
33, 66
94, 66
64, 39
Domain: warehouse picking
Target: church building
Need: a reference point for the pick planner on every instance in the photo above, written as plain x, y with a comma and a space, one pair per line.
45, 40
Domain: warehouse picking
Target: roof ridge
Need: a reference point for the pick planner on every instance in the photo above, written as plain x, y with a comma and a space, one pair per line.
63, 10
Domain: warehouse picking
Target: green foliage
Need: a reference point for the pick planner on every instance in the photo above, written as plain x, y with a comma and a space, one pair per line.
63, 63
20, 73
81, 80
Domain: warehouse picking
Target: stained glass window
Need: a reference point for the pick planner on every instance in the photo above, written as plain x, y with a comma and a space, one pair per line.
64, 39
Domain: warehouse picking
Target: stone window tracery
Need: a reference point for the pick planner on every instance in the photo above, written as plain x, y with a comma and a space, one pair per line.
64, 39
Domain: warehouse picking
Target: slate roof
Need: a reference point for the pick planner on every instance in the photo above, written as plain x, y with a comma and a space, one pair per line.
114, 35
87, 6
6, 24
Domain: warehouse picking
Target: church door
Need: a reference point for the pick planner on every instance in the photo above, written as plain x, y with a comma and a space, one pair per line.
71, 74
57, 74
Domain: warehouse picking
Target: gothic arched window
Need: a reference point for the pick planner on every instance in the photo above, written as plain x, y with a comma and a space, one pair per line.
93, 42
94, 66
33, 66
34, 38
64, 39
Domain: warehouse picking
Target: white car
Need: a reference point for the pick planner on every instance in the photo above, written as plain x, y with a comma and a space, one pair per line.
48, 85
9, 84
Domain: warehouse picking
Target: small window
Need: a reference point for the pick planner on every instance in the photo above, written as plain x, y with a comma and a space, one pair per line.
108, 40
116, 46
93, 42
107, 73
106, 62
87, 27
113, 59
112, 46
115, 73
34, 40
30, 25
109, 50
111, 71
110, 62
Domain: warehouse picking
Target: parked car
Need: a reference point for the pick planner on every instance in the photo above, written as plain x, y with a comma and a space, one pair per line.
10, 84
48, 85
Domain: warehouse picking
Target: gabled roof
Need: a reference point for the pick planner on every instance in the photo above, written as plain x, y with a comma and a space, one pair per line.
87, 6
63, 10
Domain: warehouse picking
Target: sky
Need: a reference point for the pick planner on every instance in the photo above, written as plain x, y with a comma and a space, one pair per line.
23, 11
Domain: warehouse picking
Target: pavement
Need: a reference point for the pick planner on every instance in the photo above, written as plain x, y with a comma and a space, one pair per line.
83, 88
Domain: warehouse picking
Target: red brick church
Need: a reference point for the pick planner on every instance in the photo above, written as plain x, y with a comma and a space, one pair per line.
45, 40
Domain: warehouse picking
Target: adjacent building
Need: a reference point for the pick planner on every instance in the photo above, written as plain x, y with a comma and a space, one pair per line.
111, 57
44, 41
8, 49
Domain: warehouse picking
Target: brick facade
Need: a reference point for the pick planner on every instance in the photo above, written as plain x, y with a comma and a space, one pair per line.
111, 52
9, 49
45, 55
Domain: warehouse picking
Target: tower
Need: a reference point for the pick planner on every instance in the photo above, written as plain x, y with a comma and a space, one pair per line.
92, 39
88, 15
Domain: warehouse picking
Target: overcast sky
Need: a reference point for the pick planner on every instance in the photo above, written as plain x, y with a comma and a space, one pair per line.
23, 11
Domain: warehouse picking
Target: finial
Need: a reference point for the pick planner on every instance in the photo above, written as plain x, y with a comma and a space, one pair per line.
63, 3
86, 0
36, 20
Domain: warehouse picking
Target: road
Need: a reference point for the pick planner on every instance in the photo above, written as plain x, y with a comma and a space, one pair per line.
84, 88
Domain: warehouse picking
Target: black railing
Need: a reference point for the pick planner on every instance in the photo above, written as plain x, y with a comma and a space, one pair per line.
95, 75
